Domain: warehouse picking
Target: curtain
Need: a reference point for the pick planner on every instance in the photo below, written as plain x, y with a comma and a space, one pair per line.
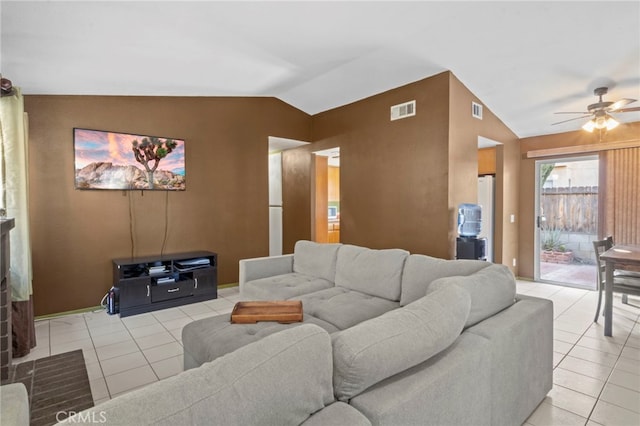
621, 195
14, 199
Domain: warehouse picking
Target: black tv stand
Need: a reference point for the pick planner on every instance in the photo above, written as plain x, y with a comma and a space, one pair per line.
150, 283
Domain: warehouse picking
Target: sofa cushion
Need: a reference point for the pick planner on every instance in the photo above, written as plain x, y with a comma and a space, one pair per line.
239, 389
210, 338
337, 414
452, 388
374, 272
315, 259
420, 271
282, 287
492, 289
371, 351
344, 308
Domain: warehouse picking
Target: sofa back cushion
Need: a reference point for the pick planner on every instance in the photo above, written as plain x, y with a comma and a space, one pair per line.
420, 271
381, 347
374, 272
492, 289
279, 380
315, 259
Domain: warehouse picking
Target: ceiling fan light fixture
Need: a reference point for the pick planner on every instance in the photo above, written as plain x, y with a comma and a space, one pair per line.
600, 119
611, 123
603, 121
589, 126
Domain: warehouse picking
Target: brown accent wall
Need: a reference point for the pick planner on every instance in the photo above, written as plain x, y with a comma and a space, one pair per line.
463, 168
393, 176
75, 233
526, 227
401, 181
296, 197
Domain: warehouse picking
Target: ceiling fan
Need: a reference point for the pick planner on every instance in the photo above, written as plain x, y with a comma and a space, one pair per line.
600, 112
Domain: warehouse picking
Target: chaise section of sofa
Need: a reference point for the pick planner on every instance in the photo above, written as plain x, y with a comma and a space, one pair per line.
283, 379
210, 338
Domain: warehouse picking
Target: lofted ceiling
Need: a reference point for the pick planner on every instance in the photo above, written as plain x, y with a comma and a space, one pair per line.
523, 60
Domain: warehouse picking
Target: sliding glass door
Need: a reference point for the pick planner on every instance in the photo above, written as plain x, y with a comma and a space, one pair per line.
567, 221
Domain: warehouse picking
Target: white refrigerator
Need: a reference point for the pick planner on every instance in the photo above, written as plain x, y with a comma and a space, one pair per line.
275, 204
486, 200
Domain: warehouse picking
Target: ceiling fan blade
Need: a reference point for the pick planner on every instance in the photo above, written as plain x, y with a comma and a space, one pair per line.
619, 104
572, 112
626, 110
571, 119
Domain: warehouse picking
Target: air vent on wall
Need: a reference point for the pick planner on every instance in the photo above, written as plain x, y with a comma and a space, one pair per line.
476, 110
404, 110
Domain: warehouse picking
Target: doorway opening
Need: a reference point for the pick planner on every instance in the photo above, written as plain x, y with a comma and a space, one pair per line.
567, 221
325, 197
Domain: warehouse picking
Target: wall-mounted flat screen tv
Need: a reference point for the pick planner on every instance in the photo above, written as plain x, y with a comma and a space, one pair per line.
110, 160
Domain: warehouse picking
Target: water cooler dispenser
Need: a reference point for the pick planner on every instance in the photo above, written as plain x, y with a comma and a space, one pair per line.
468, 245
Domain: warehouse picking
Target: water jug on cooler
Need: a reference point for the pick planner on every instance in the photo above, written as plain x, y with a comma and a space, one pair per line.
468, 245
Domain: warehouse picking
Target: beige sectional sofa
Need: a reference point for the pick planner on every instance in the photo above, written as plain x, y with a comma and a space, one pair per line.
388, 338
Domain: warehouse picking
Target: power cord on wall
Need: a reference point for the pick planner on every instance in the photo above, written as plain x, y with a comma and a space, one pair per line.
104, 301
131, 224
166, 222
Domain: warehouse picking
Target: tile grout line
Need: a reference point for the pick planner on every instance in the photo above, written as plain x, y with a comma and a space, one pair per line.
606, 381
573, 345
93, 343
611, 373
148, 362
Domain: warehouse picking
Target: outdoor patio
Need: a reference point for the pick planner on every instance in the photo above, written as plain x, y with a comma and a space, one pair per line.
581, 275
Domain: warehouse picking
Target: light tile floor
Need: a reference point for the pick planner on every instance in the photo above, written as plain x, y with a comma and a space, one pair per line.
123, 354
596, 379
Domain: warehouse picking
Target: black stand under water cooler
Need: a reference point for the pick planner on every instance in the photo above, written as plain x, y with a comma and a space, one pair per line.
468, 245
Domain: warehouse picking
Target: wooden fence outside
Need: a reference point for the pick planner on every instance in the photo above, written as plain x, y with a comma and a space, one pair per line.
571, 209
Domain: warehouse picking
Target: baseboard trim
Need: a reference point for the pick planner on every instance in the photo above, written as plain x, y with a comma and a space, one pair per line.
102, 308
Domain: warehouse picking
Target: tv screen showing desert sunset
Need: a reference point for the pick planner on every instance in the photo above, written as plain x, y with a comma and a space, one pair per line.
110, 160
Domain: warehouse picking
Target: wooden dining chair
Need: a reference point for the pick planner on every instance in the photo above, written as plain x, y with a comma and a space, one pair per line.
625, 282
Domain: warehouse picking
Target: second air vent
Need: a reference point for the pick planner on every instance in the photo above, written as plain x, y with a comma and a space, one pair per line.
404, 110
476, 110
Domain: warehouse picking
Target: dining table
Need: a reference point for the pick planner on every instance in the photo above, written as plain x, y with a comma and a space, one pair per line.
617, 257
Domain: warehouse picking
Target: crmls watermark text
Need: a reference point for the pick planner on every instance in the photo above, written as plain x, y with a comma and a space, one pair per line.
90, 417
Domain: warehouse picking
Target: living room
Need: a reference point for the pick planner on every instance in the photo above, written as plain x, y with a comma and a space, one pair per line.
400, 182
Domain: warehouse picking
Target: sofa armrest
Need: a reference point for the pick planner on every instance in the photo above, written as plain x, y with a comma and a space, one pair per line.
14, 404
521, 339
279, 380
263, 267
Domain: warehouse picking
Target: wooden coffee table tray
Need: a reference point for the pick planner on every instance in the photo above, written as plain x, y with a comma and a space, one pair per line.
282, 311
